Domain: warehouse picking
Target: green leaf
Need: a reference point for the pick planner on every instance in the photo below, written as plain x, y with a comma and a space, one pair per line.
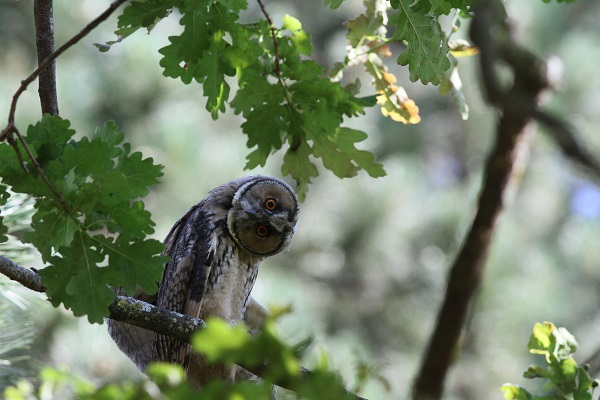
535, 371
564, 376
300, 38
195, 38
441, 7
426, 45
564, 371
514, 392
76, 280
341, 157
235, 5
584, 385
219, 340
368, 28
174, 66
138, 14
140, 173
48, 138
262, 104
52, 228
183, 55
133, 262
212, 72
296, 163
144, 13
202, 53
542, 341
334, 4
368, 101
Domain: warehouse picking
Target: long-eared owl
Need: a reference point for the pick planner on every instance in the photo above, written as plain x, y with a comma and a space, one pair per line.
215, 250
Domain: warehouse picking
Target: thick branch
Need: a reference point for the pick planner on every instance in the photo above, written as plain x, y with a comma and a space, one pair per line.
44, 40
467, 269
124, 309
26, 277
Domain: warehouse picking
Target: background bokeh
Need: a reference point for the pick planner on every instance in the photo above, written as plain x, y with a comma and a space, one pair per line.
366, 271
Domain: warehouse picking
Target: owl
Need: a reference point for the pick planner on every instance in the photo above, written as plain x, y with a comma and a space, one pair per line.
215, 251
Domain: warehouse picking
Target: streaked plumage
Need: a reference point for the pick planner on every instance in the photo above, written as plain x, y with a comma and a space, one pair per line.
215, 251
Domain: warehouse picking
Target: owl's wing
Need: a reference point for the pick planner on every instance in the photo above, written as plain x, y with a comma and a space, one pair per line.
190, 248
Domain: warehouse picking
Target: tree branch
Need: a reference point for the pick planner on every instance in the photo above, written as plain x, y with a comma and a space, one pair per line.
10, 128
44, 39
26, 277
467, 270
139, 313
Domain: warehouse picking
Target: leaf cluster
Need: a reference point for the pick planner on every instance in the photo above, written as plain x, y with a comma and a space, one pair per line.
368, 45
287, 101
89, 225
219, 342
223, 343
565, 379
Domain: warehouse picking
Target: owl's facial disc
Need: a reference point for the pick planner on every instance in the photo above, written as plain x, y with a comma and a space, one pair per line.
263, 216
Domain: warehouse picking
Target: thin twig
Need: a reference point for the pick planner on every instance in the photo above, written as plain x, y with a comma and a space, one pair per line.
11, 140
38, 168
274, 36
25, 83
277, 68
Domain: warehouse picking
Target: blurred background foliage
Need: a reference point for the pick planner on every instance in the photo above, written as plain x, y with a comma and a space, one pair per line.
366, 271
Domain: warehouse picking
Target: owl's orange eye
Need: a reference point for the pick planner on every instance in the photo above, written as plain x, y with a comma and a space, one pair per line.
270, 204
262, 231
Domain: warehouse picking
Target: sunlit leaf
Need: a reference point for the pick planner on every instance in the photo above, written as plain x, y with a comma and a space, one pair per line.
513, 392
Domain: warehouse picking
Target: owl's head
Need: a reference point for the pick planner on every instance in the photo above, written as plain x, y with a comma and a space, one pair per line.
263, 216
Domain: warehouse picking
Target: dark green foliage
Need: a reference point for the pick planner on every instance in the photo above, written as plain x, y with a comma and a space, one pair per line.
91, 228
286, 100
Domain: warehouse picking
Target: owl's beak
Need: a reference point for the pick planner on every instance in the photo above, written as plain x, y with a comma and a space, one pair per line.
253, 213
277, 222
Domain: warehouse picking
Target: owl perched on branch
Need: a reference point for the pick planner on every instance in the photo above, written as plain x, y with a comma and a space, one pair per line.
215, 250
